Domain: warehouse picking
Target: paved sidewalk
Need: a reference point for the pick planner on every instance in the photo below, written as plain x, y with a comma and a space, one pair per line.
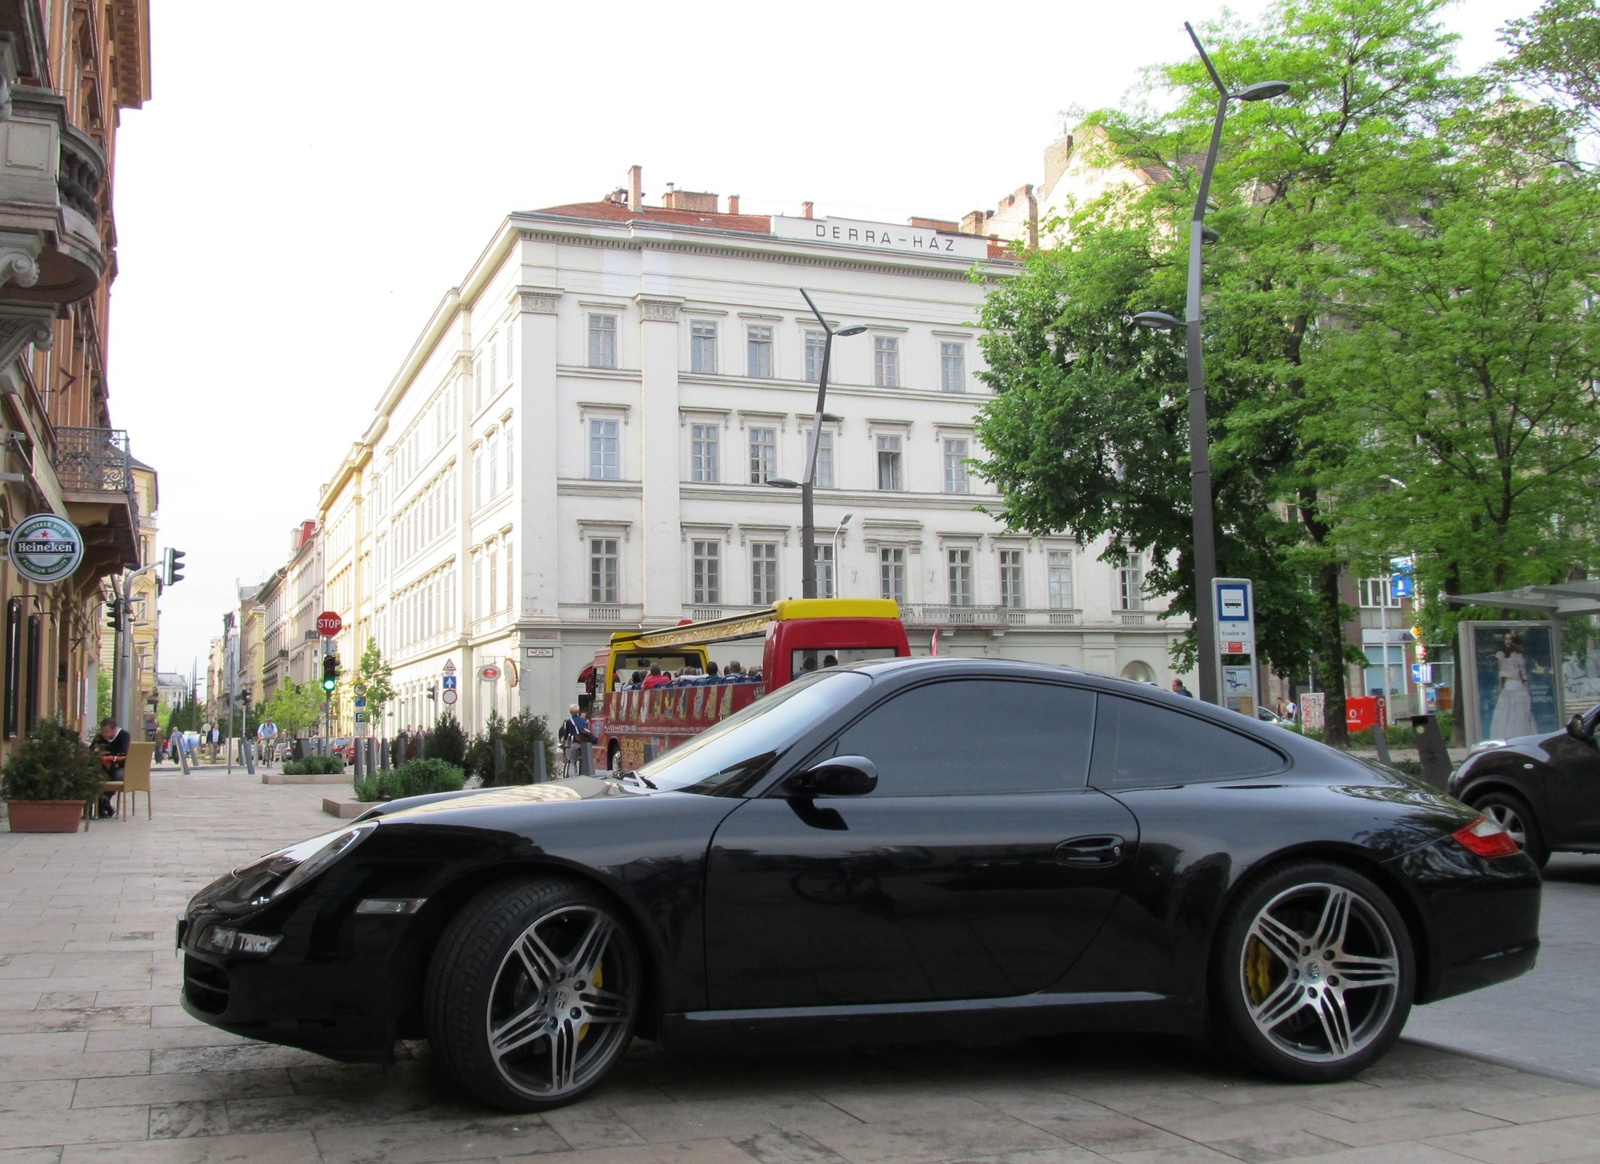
98, 1063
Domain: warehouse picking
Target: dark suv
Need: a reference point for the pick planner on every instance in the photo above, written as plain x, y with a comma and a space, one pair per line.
1544, 789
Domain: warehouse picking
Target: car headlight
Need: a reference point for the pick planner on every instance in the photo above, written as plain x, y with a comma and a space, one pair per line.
260, 882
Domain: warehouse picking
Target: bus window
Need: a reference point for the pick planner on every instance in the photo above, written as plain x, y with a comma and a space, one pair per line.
813, 658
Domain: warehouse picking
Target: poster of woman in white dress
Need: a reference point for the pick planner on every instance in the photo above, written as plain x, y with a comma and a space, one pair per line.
1516, 680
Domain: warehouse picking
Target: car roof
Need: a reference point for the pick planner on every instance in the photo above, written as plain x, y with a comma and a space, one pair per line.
930, 666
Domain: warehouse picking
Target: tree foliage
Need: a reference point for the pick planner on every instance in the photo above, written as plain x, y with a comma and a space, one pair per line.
294, 707
1388, 302
374, 680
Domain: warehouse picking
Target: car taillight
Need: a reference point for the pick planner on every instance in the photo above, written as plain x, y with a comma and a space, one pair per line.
1486, 838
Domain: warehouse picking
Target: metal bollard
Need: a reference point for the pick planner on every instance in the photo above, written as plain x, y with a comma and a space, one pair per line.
247, 749
1381, 742
649, 752
585, 759
541, 772
499, 762
361, 757
1431, 750
383, 755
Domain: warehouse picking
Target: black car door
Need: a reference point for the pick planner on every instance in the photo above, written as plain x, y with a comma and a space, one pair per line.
980, 866
1572, 790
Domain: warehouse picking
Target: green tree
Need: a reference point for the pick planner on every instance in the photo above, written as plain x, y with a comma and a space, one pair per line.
374, 680
294, 707
102, 701
1373, 88
1555, 53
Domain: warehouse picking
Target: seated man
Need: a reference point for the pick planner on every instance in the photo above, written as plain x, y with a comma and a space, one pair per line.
112, 744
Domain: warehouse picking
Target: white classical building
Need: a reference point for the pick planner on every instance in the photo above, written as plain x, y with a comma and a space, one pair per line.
579, 441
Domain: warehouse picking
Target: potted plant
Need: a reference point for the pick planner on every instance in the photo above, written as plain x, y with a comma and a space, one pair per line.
48, 779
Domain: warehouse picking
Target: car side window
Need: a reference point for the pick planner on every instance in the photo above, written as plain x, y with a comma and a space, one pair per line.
967, 736
1144, 745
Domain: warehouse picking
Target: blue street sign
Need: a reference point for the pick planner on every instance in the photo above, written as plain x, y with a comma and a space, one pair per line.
449, 682
361, 701
1405, 586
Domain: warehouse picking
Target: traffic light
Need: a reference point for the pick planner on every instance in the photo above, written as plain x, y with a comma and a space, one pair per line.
330, 672
172, 570
114, 615
433, 691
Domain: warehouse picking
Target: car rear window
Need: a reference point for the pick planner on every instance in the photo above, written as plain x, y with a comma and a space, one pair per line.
1144, 745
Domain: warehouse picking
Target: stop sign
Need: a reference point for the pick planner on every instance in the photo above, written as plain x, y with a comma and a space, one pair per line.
329, 624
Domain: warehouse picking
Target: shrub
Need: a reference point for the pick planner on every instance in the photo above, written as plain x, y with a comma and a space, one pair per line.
518, 738
314, 766
413, 778
447, 741
54, 764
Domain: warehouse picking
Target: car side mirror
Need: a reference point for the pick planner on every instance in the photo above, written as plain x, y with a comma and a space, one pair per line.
838, 776
1579, 730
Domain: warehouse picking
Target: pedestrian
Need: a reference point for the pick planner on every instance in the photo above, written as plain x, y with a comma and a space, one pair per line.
1291, 710
1179, 689
216, 739
112, 744
572, 735
711, 676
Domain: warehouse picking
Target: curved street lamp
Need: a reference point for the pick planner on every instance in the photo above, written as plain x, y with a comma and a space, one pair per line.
1205, 544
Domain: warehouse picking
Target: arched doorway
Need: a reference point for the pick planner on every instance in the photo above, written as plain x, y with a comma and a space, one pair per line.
1139, 672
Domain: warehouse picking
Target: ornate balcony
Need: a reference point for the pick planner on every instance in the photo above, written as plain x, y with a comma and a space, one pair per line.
95, 472
51, 251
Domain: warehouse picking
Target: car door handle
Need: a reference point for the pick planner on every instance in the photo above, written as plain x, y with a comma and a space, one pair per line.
1084, 852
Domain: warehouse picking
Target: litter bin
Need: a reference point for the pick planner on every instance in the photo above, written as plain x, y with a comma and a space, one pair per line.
298, 748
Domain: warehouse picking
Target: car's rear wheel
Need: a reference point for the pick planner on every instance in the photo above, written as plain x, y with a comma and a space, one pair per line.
1314, 972
1513, 814
533, 993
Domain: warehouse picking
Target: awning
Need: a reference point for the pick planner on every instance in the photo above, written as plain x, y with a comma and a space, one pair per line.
1559, 599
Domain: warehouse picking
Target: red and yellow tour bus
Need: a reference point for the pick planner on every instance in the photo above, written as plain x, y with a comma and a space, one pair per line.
801, 635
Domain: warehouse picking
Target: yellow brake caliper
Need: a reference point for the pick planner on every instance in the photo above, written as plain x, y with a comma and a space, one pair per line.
599, 981
1258, 971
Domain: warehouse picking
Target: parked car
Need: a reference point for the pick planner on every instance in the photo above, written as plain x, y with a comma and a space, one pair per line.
1267, 715
853, 857
1544, 789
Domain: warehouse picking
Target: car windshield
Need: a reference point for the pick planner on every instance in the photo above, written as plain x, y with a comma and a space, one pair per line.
728, 758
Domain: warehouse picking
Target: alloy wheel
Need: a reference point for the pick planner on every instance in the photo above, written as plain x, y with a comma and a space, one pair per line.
563, 998
1321, 972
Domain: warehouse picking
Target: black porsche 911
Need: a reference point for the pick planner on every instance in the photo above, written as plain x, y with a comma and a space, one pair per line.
914, 849
1544, 789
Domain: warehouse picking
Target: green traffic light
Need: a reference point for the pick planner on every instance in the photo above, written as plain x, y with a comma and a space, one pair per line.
329, 684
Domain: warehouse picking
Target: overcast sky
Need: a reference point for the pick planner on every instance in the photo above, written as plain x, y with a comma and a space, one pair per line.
311, 176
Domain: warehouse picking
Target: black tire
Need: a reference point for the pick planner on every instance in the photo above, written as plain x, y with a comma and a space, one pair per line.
1516, 817
1288, 1006
533, 993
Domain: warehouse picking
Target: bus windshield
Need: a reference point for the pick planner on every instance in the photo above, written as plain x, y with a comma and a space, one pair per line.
727, 759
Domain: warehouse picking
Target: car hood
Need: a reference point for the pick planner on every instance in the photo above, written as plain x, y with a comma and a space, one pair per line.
516, 795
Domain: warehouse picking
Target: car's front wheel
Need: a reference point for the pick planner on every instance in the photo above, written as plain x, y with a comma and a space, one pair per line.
1513, 814
533, 993
1314, 972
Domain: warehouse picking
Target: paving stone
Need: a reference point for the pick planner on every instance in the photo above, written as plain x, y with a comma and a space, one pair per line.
281, 1148
428, 1143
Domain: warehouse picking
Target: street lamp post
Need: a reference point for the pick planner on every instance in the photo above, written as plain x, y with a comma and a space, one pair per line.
1205, 546
807, 483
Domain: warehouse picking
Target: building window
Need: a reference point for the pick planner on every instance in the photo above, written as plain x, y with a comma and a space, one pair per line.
1011, 578
759, 347
892, 573
763, 454
889, 474
703, 346
478, 494
511, 574
824, 460
494, 361
702, 452
955, 465
953, 367
763, 573
1060, 568
477, 396
706, 589
886, 361
602, 341
510, 458
479, 607
494, 464
824, 560
1378, 592
960, 569
603, 570
494, 576
1130, 584
605, 450
816, 345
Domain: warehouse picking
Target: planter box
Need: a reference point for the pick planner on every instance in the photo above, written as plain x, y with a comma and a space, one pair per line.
345, 809
44, 816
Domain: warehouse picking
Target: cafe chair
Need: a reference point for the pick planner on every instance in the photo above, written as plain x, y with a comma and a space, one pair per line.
135, 778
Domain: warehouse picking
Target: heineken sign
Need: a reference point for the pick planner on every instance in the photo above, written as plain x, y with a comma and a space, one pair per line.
45, 548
